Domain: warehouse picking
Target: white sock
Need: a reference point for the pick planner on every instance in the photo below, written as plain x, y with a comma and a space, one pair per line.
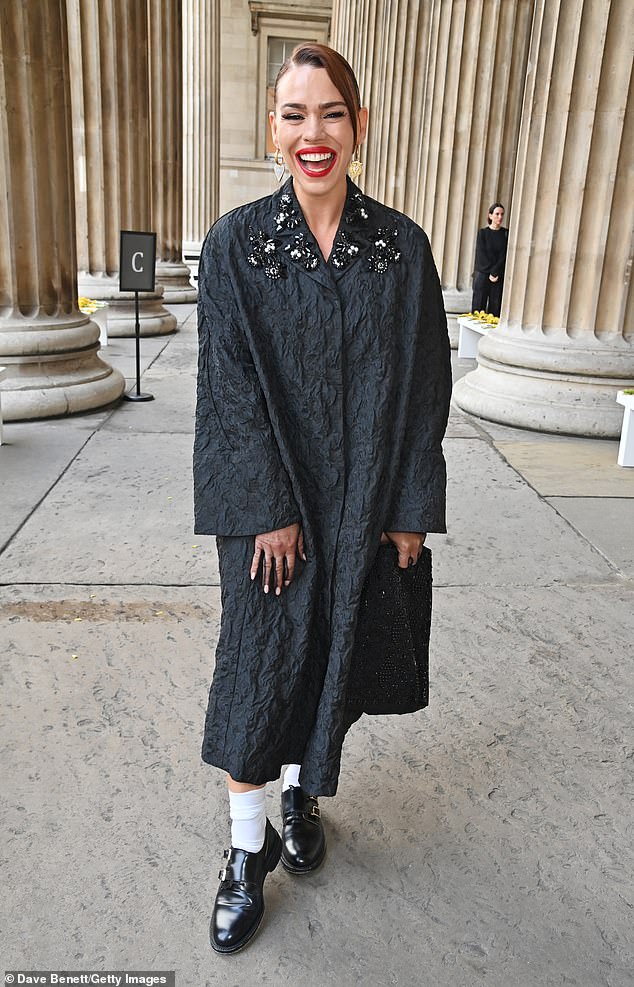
291, 777
248, 819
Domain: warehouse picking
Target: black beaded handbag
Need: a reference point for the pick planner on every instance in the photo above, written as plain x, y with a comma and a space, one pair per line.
389, 672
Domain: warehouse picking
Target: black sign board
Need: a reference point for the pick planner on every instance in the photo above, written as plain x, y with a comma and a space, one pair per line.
137, 258
136, 261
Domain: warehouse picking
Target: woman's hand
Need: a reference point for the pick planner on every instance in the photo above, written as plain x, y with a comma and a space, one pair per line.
280, 549
409, 545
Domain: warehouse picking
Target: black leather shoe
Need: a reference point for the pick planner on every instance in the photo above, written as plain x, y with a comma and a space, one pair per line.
239, 904
303, 837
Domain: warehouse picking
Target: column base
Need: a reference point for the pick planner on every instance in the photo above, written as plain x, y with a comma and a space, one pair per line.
154, 319
58, 382
456, 303
175, 279
542, 399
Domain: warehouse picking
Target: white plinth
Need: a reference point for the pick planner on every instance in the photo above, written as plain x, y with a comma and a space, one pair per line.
470, 332
626, 445
100, 317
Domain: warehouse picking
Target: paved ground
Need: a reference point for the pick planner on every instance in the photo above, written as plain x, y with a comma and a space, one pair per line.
485, 842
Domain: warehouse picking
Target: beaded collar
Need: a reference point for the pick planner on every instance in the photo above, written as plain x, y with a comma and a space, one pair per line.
353, 236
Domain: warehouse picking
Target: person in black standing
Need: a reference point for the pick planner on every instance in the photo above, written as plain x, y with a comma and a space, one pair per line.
490, 258
323, 394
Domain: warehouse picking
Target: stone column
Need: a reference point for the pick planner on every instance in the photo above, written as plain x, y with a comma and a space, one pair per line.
388, 47
166, 130
565, 343
111, 141
443, 81
48, 346
201, 109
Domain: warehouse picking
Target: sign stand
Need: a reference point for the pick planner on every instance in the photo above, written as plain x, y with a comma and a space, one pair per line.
137, 327
137, 262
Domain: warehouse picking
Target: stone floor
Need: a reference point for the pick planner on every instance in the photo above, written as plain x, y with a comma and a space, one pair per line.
487, 841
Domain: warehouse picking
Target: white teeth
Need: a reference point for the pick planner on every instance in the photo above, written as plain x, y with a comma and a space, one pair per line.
315, 157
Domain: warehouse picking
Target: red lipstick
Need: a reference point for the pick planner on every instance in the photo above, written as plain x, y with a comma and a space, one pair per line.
312, 173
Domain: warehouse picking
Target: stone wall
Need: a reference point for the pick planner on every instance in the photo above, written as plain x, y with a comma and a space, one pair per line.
246, 172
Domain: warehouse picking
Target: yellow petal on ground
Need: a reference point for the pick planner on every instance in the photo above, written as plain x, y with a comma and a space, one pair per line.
159, 613
74, 657
78, 620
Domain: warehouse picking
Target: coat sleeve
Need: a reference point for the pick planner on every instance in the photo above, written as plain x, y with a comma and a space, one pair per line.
240, 484
481, 263
418, 502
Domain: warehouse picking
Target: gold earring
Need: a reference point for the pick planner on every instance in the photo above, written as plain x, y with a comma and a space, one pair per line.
278, 165
356, 165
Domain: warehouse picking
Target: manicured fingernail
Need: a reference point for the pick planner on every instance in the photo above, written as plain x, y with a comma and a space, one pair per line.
304, 558
266, 589
278, 591
287, 582
252, 576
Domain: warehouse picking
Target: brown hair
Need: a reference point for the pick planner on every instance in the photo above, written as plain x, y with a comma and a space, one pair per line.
339, 72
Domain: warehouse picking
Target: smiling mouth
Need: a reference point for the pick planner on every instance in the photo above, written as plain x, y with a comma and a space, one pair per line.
317, 162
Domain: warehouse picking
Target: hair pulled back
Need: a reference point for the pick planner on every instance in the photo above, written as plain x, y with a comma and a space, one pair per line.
339, 72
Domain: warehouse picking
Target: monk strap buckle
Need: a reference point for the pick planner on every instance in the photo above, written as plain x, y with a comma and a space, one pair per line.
222, 874
314, 811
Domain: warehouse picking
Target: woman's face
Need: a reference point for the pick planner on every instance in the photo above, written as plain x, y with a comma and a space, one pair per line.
496, 217
313, 130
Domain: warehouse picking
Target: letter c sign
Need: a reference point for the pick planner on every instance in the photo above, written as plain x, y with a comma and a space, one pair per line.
137, 261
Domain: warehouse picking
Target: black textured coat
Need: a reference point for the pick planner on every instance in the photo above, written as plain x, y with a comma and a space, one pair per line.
323, 394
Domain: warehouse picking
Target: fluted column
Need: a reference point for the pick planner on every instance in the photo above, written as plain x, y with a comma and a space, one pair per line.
388, 47
166, 130
443, 81
48, 346
565, 343
111, 142
201, 108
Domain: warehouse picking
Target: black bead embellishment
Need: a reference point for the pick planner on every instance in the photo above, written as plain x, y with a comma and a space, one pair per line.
385, 251
302, 250
287, 218
343, 251
356, 210
264, 255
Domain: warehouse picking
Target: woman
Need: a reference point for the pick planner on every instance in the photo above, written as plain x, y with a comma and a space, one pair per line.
324, 384
490, 259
